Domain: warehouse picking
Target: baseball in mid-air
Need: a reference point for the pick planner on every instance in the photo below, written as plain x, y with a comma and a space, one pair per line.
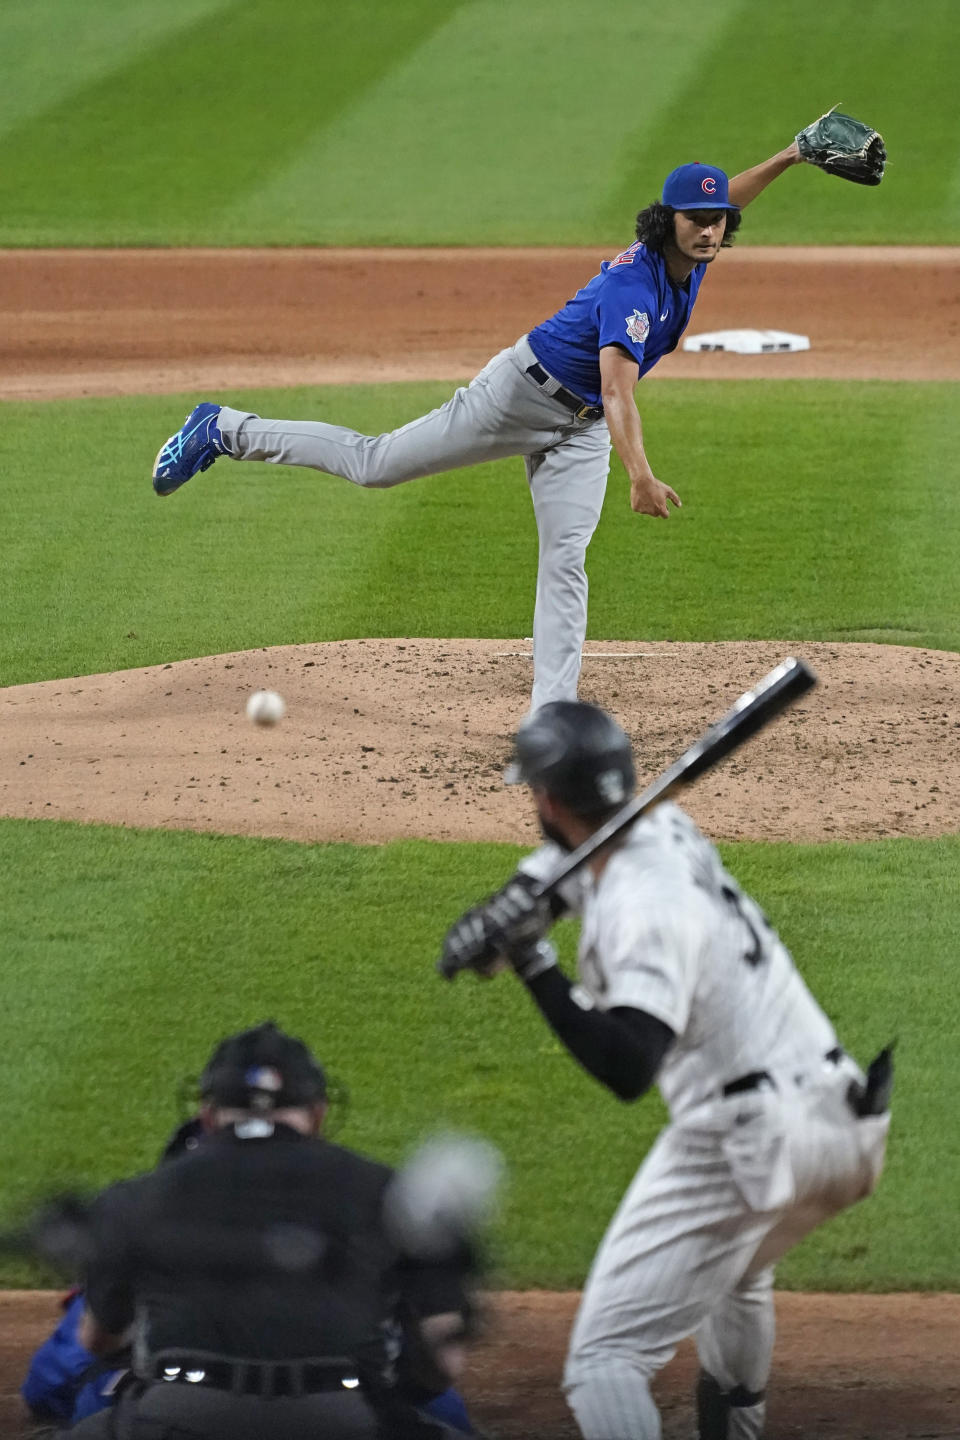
266, 707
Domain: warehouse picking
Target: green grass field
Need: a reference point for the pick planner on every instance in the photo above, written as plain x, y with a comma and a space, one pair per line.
812, 510
808, 514
129, 953
148, 946
456, 121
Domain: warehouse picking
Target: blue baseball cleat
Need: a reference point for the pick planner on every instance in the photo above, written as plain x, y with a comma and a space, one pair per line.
194, 447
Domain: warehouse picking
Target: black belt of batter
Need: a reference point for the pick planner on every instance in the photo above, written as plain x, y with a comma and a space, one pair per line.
576, 403
265, 1379
756, 1079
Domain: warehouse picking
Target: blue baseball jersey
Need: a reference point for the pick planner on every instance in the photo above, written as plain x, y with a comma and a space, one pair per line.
65, 1382
633, 303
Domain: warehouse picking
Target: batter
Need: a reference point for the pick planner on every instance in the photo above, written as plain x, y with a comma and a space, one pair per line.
683, 982
559, 398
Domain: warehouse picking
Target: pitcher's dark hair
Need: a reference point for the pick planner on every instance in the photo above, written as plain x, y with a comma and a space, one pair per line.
655, 226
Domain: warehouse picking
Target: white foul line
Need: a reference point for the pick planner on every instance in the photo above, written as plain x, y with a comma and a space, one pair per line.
594, 655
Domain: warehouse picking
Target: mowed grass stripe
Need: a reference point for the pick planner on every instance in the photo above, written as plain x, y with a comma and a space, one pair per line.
812, 510
454, 121
129, 952
925, 581
506, 125
793, 525
761, 80
54, 48
803, 516
206, 116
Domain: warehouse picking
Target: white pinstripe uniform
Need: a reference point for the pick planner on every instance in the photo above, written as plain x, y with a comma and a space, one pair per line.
732, 1182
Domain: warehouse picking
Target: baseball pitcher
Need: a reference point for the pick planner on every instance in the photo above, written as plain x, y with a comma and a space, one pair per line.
681, 982
559, 397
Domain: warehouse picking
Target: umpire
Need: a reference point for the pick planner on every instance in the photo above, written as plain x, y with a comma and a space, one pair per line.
260, 1275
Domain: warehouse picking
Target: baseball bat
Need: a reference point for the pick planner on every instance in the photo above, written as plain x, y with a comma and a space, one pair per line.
755, 709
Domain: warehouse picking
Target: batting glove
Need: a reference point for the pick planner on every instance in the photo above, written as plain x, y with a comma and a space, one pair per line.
517, 917
469, 944
508, 925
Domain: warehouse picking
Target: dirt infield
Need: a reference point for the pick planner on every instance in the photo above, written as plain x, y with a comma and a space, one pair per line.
408, 737
847, 1367
113, 322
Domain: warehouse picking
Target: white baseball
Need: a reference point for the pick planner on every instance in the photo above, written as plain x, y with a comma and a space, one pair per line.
266, 707
445, 1190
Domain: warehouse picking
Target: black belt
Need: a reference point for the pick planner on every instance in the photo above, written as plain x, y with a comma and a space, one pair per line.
265, 1379
580, 408
757, 1078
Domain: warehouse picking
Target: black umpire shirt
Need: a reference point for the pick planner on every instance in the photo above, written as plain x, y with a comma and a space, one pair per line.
266, 1248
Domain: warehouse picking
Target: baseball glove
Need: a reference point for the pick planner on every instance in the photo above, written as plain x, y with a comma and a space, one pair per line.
845, 147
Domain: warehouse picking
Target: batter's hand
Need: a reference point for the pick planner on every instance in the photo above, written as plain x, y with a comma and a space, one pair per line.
509, 924
469, 945
649, 496
518, 917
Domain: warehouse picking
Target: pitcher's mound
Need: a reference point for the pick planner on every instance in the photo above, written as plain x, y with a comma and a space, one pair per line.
393, 738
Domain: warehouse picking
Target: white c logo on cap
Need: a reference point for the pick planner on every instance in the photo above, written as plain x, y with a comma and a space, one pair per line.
708, 185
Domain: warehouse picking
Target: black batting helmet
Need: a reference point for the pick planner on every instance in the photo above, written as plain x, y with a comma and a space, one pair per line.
263, 1069
576, 752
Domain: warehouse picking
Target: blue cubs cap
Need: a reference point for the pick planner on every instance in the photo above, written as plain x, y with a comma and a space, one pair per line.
697, 187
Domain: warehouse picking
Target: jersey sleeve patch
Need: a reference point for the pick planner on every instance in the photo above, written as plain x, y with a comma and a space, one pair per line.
625, 304
638, 326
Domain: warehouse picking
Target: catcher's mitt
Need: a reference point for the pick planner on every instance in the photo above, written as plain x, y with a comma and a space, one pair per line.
845, 147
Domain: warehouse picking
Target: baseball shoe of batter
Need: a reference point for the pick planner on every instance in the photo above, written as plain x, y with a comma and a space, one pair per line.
193, 448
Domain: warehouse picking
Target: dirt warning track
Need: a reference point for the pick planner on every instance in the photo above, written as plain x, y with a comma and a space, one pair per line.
115, 322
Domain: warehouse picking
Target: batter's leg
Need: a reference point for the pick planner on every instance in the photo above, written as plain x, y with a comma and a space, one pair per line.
680, 1241
567, 485
835, 1160
499, 413
735, 1345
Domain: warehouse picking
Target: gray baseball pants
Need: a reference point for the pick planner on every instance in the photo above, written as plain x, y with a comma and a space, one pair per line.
725, 1192
501, 412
